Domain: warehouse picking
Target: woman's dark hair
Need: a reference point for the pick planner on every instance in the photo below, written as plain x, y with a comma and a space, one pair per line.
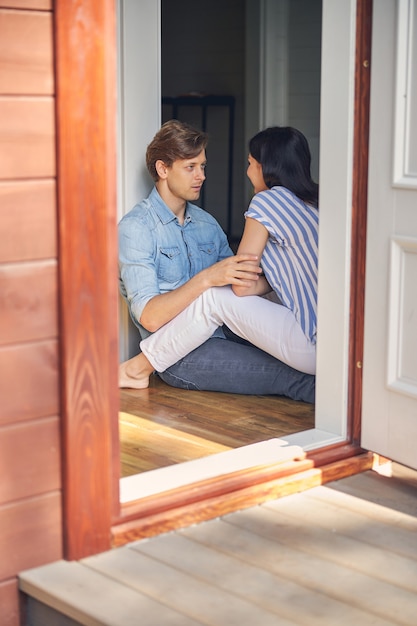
175, 140
285, 159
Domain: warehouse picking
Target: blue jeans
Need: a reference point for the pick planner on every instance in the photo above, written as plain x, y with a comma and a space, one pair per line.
232, 365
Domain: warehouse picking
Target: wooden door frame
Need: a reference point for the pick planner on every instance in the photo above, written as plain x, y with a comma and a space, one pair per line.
85, 53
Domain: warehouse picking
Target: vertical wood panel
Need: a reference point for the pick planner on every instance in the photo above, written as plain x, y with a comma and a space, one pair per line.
27, 148
25, 53
86, 103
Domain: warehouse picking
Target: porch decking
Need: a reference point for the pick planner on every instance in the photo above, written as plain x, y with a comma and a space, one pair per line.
344, 553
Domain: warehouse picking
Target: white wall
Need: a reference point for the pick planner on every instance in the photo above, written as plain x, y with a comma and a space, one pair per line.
203, 50
138, 118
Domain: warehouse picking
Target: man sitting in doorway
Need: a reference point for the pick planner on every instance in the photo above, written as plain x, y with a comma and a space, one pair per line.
170, 252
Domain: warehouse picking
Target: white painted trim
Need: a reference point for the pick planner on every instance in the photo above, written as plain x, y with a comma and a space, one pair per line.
405, 125
396, 381
272, 451
336, 167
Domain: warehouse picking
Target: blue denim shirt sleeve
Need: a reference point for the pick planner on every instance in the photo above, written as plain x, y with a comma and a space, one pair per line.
157, 254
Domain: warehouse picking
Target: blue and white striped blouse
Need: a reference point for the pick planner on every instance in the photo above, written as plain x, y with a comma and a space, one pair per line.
290, 258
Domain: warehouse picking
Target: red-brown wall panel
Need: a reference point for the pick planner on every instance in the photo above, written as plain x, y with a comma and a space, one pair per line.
28, 381
29, 452
25, 52
29, 533
42, 5
28, 301
28, 227
27, 137
30, 422
9, 603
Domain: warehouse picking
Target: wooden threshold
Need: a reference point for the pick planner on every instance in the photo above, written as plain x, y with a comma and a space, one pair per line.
210, 499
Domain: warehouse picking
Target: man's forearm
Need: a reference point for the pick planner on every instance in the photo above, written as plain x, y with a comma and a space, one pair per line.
164, 307
234, 270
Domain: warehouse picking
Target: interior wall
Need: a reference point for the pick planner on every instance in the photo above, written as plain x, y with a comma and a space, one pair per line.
265, 53
203, 51
304, 72
138, 75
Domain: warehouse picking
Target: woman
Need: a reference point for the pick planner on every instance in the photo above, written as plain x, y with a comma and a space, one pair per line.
281, 230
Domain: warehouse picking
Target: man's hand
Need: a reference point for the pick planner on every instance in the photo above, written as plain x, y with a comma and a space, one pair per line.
241, 270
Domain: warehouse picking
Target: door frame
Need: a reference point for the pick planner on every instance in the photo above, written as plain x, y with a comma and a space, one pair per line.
93, 518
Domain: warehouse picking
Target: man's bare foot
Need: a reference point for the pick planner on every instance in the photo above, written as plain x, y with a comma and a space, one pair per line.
134, 373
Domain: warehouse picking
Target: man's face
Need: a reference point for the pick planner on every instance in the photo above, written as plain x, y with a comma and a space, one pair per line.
185, 177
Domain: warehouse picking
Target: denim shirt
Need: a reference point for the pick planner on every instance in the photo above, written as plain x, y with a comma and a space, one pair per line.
157, 254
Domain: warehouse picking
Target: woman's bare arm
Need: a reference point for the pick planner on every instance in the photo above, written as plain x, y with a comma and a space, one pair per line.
253, 241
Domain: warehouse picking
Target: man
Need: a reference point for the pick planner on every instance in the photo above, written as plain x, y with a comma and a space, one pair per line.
170, 252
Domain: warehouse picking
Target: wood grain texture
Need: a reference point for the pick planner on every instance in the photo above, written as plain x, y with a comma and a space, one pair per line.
165, 414
41, 5
86, 112
34, 525
359, 214
145, 445
26, 65
31, 469
28, 302
9, 603
29, 381
204, 506
344, 553
27, 133
28, 220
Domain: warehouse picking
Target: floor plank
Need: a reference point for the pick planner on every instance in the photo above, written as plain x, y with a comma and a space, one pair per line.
182, 591
330, 555
217, 420
266, 589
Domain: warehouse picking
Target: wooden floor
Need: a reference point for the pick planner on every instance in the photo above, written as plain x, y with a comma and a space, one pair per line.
340, 554
161, 425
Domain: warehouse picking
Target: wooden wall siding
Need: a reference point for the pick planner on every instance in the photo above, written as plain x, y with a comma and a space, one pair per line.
27, 220
9, 602
28, 301
27, 137
35, 467
30, 451
28, 381
25, 52
41, 5
29, 534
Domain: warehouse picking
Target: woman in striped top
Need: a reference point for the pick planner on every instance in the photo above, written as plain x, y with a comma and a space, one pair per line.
278, 311
281, 228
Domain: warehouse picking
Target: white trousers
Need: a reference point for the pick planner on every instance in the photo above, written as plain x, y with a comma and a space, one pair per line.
267, 325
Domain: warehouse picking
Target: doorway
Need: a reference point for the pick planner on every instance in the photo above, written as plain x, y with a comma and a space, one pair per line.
336, 134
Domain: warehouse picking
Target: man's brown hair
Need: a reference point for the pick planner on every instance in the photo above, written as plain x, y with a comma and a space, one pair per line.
174, 141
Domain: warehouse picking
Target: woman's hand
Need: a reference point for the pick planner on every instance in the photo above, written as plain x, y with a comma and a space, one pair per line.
239, 270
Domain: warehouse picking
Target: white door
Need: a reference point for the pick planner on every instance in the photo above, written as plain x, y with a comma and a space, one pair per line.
389, 424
